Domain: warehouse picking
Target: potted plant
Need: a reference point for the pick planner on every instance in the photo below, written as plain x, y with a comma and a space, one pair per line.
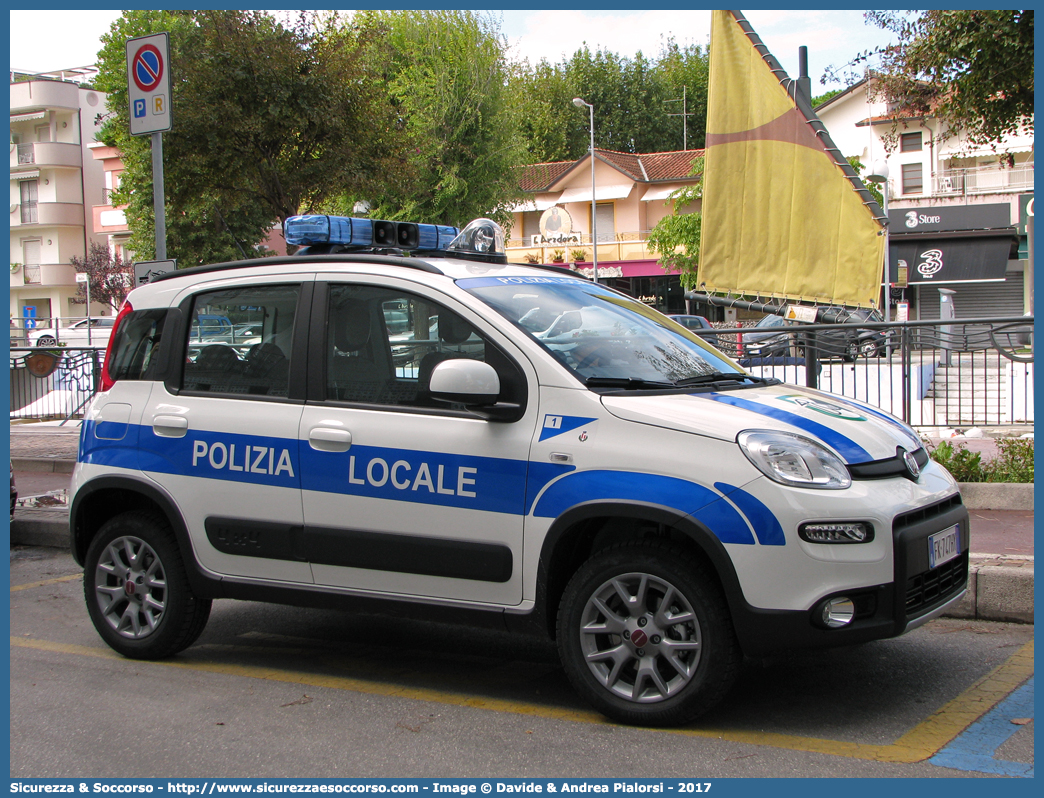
531, 258
578, 254
558, 256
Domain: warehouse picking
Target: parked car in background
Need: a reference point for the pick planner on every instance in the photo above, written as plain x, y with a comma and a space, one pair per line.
698, 324
75, 334
771, 336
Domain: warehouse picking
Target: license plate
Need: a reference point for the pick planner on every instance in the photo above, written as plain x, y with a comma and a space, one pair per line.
944, 546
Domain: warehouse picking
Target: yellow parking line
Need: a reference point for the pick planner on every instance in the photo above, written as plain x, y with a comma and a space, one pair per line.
920, 743
44, 582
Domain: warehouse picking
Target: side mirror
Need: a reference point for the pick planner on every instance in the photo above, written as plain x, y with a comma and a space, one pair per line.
465, 381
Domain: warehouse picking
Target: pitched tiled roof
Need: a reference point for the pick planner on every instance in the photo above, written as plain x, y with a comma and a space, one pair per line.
651, 167
538, 176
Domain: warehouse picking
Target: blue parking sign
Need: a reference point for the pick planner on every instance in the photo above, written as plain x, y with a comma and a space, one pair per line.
139, 109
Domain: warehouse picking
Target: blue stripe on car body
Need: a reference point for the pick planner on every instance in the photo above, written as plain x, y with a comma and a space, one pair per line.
851, 451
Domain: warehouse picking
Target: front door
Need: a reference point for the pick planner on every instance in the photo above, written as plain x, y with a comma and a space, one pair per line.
404, 496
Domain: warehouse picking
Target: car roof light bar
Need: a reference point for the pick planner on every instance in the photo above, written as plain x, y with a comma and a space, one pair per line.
340, 233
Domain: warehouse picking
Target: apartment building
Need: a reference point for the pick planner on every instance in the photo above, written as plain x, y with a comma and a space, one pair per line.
957, 211
55, 184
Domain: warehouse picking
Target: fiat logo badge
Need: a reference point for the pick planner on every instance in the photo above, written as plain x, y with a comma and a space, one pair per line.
911, 464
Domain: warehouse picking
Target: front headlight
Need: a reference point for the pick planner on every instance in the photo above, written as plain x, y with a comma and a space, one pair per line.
794, 460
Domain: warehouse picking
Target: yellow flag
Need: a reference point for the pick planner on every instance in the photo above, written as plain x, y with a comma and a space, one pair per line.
784, 214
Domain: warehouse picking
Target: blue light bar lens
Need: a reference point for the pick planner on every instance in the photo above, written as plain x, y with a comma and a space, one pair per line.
308, 230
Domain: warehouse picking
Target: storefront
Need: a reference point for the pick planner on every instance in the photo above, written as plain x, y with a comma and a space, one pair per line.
970, 249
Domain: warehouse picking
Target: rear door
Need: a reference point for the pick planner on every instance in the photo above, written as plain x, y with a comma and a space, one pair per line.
221, 435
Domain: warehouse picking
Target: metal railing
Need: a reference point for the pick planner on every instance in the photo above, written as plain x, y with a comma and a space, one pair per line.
957, 373
983, 180
26, 153
53, 383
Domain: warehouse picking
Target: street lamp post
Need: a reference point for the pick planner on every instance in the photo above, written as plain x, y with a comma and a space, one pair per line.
579, 103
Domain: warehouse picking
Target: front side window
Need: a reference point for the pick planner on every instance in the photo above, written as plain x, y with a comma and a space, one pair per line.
240, 341
600, 335
382, 345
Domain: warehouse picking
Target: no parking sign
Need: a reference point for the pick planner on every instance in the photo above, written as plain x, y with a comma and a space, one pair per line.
148, 84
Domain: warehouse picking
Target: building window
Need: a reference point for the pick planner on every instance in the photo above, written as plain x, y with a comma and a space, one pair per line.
30, 192
912, 180
910, 142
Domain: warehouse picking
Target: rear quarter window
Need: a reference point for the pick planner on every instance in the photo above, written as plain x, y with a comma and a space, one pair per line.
136, 344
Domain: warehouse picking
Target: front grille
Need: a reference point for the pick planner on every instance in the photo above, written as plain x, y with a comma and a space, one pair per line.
931, 511
935, 585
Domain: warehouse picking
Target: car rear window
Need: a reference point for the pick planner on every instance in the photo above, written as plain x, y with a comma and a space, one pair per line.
135, 345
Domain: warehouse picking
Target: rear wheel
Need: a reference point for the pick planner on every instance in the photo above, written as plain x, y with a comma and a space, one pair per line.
137, 591
645, 636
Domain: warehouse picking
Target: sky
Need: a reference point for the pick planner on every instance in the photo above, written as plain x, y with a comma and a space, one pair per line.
832, 37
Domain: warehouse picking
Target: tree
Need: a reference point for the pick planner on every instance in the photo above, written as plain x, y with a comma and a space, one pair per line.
446, 73
971, 68
269, 120
109, 278
676, 238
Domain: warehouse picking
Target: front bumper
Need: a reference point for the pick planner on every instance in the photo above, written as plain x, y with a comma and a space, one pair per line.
916, 594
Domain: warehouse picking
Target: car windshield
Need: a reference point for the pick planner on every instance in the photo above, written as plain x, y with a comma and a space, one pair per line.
606, 338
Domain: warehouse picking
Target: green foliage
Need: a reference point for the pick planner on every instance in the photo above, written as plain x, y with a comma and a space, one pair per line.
822, 98
1013, 463
446, 73
676, 238
972, 68
633, 101
875, 192
268, 120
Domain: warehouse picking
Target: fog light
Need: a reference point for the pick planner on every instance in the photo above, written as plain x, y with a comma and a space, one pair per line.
837, 612
837, 532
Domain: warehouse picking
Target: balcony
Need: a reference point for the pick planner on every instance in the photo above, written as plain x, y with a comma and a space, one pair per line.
618, 247
45, 274
48, 214
983, 180
32, 95
45, 154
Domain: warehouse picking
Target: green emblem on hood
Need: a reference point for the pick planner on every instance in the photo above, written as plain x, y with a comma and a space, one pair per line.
824, 407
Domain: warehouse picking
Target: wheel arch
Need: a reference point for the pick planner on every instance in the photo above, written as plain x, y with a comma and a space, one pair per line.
587, 528
105, 497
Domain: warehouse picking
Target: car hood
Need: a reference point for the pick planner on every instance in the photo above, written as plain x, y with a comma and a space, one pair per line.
857, 432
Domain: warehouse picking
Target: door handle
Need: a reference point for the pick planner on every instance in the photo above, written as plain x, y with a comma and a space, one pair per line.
170, 426
326, 439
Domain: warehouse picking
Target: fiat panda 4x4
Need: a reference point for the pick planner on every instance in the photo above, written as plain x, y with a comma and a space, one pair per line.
449, 431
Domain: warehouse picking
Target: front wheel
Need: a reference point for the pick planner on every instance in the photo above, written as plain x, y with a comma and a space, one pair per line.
645, 636
46, 340
137, 591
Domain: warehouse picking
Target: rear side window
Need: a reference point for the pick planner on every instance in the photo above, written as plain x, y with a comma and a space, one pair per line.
240, 341
136, 344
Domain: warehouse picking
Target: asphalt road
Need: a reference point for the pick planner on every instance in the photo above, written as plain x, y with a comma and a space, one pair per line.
284, 692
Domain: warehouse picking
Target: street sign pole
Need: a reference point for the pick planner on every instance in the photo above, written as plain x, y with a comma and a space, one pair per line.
148, 90
158, 201
83, 277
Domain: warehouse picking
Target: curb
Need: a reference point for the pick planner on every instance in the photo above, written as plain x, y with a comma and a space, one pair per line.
997, 495
43, 465
1000, 588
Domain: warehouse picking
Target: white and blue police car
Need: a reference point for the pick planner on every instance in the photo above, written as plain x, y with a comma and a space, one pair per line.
413, 420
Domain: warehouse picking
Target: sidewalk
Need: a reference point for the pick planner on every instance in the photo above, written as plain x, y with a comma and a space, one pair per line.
1000, 587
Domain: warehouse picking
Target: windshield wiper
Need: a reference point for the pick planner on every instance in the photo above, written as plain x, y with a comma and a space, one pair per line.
718, 376
626, 383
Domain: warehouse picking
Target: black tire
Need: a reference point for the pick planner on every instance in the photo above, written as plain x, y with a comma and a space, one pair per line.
851, 353
47, 340
159, 615
685, 663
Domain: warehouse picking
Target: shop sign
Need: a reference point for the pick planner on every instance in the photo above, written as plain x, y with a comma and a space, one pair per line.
556, 227
955, 260
1025, 212
949, 217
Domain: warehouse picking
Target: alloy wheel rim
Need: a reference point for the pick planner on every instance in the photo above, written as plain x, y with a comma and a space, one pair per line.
640, 638
130, 586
